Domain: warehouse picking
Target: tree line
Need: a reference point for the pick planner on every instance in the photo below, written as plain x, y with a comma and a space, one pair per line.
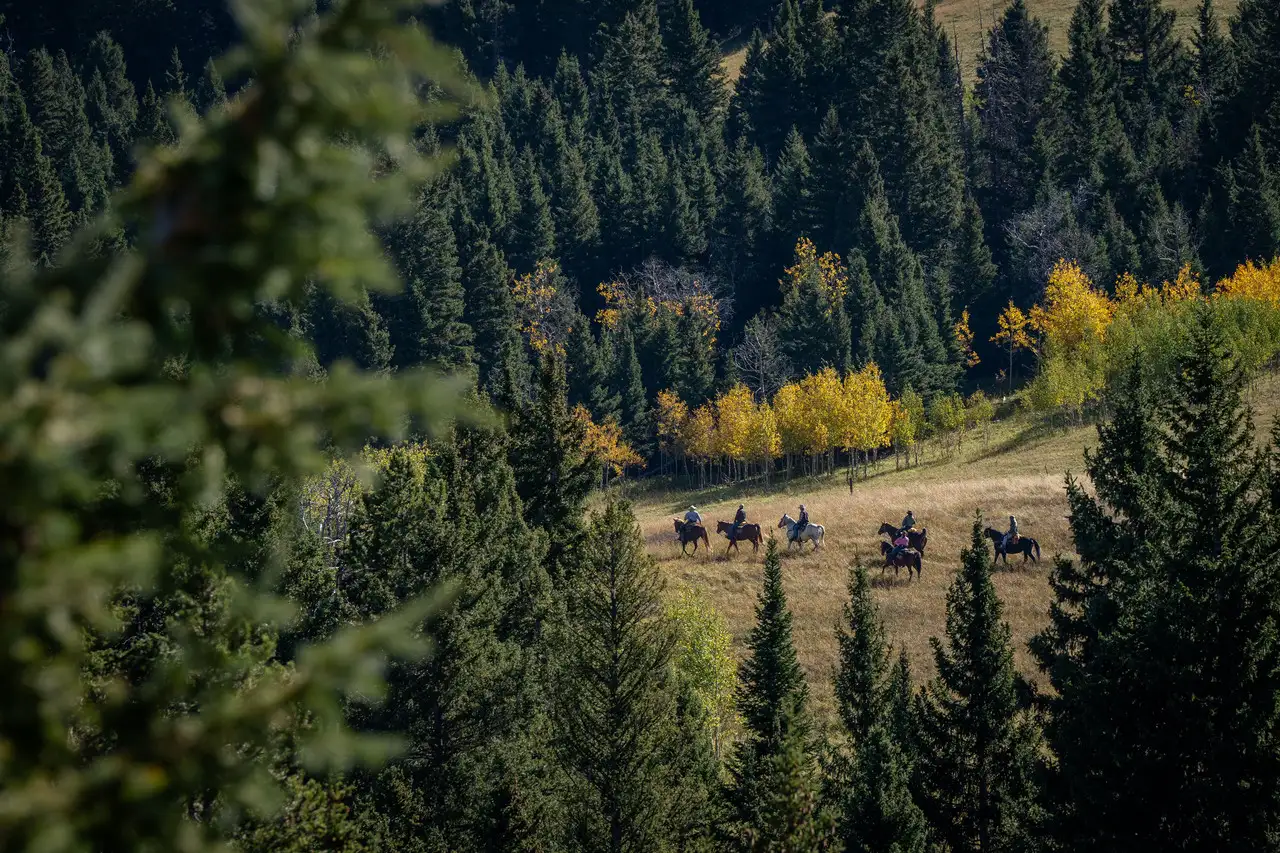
846, 201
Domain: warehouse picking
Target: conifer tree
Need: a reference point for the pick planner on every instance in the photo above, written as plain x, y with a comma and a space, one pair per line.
489, 309
631, 63
210, 92
426, 322
831, 188
615, 698
780, 100
744, 221
772, 700
1163, 617
864, 660
974, 273
1087, 123
878, 812
692, 63
347, 330
790, 815
1152, 68
628, 386
793, 213
1013, 87
573, 209
533, 233
747, 91
153, 120
1256, 97
36, 184
1253, 199
976, 765
695, 372
112, 106
588, 368
553, 474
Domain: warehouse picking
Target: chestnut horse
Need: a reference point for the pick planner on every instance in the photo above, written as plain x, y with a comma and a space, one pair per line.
746, 533
909, 558
686, 533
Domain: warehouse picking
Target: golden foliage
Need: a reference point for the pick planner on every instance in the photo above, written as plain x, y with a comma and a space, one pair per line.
699, 433
604, 442
1012, 332
964, 337
1074, 312
672, 413
827, 272
1251, 281
535, 294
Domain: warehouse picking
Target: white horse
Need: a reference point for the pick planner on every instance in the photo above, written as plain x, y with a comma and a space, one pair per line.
812, 533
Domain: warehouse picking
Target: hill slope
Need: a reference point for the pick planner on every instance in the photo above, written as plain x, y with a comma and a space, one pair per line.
968, 21
1019, 470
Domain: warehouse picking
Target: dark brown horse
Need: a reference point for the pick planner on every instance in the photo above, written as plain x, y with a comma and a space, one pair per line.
910, 559
686, 533
919, 539
746, 533
1024, 546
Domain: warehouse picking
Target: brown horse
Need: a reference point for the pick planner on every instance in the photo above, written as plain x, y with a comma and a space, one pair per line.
746, 533
919, 539
686, 533
910, 559
1024, 545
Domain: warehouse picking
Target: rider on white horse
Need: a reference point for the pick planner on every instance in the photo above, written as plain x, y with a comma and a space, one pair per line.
801, 524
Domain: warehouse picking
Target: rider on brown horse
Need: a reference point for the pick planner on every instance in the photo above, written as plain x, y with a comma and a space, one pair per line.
738, 520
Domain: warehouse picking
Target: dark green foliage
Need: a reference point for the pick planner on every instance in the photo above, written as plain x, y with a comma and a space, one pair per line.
628, 386
864, 660
878, 812
616, 701
774, 757
35, 192
1015, 77
1152, 67
794, 214
210, 92
745, 220
790, 817
489, 311
692, 63
1089, 95
588, 369
553, 476
974, 273
1252, 192
112, 101
977, 759
1169, 615
533, 233
347, 331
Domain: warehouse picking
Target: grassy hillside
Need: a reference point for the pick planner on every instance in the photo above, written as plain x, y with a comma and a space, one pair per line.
1020, 470
968, 21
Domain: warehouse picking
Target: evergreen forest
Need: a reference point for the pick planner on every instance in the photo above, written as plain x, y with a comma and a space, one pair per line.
327, 330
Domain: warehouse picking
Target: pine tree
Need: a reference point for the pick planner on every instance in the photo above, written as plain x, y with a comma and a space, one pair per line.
974, 273
42, 203
211, 92
1253, 200
977, 758
489, 309
878, 812
1014, 82
1256, 95
747, 91
1163, 617
793, 213
426, 322
628, 385
830, 189
553, 474
772, 699
780, 86
1086, 116
347, 331
692, 63
790, 816
588, 369
695, 371
743, 225
615, 701
112, 106
1152, 66
864, 660
573, 209
153, 126
533, 233
630, 64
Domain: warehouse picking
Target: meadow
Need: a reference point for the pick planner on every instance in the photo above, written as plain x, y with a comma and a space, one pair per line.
1019, 469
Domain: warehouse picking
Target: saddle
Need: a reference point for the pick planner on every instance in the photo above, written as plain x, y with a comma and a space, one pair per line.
1015, 539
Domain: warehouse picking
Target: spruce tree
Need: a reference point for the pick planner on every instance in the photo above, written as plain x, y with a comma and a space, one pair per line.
793, 213
588, 369
615, 705
878, 812
1256, 95
1086, 121
1014, 82
1253, 200
210, 92
533, 233
741, 229
864, 660
790, 816
573, 209
977, 761
974, 273
153, 126
553, 474
627, 384
36, 183
350, 331
692, 63
773, 698
112, 107
747, 91
489, 309
1152, 67
1166, 618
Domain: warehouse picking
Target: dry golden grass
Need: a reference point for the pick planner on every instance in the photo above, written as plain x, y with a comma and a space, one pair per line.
1020, 470
969, 20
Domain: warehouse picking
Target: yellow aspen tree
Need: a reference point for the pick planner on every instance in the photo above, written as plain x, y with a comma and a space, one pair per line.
902, 430
1012, 335
874, 412
765, 443
604, 444
670, 414
1253, 281
964, 340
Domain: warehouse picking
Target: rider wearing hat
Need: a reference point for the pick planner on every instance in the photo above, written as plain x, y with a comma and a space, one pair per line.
693, 516
802, 523
739, 519
908, 522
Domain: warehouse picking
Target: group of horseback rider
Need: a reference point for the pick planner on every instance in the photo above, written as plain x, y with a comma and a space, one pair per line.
740, 518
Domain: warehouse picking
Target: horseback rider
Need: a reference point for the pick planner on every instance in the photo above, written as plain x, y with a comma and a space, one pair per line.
693, 517
908, 523
1011, 537
801, 523
900, 544
738, 520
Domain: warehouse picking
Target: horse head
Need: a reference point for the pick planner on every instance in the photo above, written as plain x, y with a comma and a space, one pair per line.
886, 527
785, 520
